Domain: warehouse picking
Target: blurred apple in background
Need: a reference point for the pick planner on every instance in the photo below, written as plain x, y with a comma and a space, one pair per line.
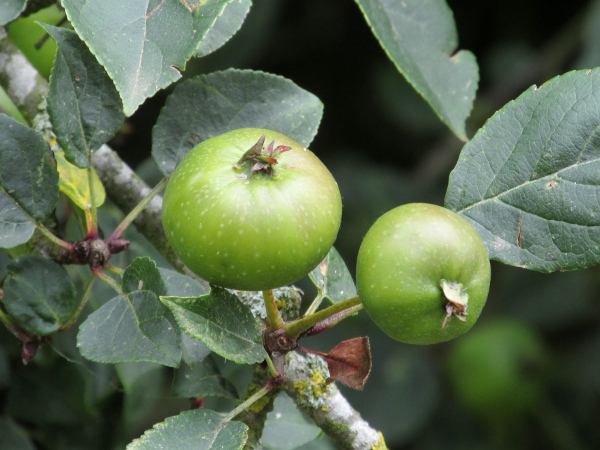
499, 369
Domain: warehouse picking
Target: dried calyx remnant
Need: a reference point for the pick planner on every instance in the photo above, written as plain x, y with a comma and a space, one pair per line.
458, 300
259, 159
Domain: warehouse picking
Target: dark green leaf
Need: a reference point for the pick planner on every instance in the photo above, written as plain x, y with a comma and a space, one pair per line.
13, 436
28, 181
15, 225
179, 285
200, 429
39, 295
530, 179
143, 45
50, 393
208, 105
194, 351
420, 38
11, 9
131, 328
144, 387
222, 322
4, 260
202, 380
286, 427
143, 275
332, 278
84, 106
4, 370
225, 27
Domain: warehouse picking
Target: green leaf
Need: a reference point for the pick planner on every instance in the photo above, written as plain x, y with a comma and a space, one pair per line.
225, 27
4, 370
286, 428
202, 380
16, 226
143, 45
39, 295
74, 183
333, 279
420, 37
200, 429
194, 351
144, 387
529, 181
208, 105
28, 181
13, 436
11, 9
143, 275
179, 285
222, 322
83, 104
134, 327
56, 392
4, 260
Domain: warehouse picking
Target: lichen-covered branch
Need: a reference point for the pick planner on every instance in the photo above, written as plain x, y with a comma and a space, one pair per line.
306, 383
29, 91
126, 189
332, 411
21, 81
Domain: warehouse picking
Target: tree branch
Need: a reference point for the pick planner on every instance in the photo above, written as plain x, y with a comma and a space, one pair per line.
332, 412
306, 383
21, 81
126, 189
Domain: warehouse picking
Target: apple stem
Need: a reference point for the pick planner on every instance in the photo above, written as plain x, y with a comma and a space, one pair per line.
54, 239
331, 321
296, 328
9, 324
137, 210
274, 319
84, 299
251, 400
272, 368
108, 280
315, 304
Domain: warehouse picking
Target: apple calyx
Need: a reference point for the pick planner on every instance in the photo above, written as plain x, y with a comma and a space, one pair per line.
259, 159
458, 300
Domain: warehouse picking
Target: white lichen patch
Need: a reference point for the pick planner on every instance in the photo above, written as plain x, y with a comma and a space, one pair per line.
288, 300
309, 376
325, 403
22, 77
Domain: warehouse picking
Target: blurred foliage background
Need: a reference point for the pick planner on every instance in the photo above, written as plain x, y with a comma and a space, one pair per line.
533, 359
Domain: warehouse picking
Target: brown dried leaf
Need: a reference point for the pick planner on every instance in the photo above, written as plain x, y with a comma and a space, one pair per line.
350, 362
